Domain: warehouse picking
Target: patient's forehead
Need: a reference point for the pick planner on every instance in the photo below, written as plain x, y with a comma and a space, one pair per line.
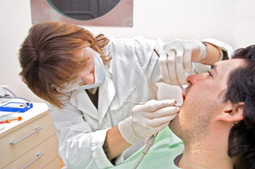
226, 66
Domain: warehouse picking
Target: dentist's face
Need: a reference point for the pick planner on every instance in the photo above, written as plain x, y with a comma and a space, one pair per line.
87, 75
203, 100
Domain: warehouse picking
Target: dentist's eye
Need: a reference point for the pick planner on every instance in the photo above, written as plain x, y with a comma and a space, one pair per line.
209, 73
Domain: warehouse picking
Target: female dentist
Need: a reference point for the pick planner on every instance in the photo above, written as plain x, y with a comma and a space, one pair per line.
91, 82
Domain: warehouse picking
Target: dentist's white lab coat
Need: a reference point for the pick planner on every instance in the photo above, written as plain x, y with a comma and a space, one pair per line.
131, 75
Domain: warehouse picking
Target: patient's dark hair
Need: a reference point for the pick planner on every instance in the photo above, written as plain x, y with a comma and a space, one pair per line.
241, 88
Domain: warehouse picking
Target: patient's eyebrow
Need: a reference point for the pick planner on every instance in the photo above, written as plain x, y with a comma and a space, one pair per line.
214, 68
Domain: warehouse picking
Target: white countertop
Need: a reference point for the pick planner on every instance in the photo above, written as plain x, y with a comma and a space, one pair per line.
37, 109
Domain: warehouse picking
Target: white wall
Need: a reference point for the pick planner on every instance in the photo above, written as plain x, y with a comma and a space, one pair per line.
232, 21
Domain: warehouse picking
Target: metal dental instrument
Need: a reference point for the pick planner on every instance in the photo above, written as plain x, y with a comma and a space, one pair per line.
141, 103
156, 53
182, 88
136, 103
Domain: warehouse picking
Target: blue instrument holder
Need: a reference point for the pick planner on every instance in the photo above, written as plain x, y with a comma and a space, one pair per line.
19, 107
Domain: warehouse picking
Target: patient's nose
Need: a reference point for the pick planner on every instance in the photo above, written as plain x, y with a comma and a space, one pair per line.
194, 78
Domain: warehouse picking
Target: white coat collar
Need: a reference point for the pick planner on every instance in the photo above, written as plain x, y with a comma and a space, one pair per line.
81, 101
106, 94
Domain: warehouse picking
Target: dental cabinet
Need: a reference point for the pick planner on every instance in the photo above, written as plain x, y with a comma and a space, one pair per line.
30, 143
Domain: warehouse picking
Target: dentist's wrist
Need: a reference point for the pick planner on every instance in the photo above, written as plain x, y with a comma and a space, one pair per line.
204, 54
126, 131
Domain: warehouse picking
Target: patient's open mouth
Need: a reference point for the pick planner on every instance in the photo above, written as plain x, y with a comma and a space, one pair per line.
184, 94
183, 97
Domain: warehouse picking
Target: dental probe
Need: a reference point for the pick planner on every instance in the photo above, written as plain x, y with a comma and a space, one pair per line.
182, 88
141, 103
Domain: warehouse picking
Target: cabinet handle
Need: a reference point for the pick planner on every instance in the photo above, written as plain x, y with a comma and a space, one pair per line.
36, 130
37, 157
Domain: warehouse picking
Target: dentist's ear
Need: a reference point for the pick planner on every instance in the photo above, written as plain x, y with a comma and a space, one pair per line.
232, 113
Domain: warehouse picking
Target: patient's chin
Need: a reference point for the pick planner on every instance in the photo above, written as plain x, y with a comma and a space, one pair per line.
173, 125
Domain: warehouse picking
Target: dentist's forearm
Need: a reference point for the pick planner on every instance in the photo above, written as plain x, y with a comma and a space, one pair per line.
116, 143
213, 55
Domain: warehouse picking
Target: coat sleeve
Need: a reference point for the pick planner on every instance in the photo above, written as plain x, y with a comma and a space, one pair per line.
142, 52
139, 53
79, 147
226, 52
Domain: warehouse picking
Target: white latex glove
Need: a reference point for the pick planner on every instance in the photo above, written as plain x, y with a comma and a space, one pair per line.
177, 57
148, 119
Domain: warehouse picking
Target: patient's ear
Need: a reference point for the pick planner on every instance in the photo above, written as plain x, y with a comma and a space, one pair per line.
232, 113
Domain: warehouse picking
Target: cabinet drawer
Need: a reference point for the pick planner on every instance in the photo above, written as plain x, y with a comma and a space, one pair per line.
55, 164
24, 139
39, 157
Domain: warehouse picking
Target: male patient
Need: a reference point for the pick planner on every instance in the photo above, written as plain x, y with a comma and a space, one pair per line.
217, 120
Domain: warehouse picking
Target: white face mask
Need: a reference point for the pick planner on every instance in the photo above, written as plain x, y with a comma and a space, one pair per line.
99, 75
99, 72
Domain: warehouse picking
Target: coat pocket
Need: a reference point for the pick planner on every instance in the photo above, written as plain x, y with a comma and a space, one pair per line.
124, 110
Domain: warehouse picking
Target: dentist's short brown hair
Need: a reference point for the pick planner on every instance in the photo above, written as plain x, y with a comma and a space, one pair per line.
47, 57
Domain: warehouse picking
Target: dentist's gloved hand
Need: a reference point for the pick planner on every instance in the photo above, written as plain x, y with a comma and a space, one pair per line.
148, 119
177, 57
